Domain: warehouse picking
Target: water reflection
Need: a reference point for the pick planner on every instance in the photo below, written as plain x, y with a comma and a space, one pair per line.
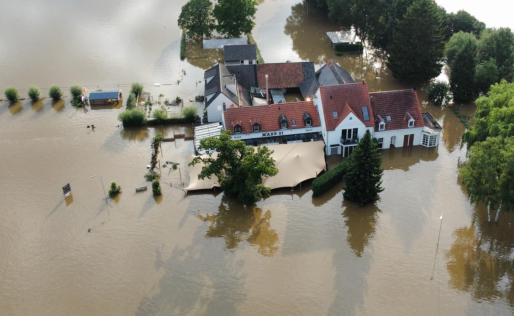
38, 106
480, 258
16, 108
113, 105
405, 157
58, 106
235, 224
138, 134
361, 222
202, 58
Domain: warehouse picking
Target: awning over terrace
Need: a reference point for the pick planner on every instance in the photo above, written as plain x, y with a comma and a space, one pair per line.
295, 162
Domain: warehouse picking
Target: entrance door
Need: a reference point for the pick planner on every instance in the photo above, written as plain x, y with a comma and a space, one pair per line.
408, 140
393, 141
348, 150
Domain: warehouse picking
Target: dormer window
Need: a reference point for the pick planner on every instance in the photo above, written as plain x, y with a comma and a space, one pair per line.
256, 128
307, 119
381, 126
411, 123
238, 129
334, 114
293, 122
282, 120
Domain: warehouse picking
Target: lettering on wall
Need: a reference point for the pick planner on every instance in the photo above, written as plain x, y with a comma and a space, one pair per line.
270, 134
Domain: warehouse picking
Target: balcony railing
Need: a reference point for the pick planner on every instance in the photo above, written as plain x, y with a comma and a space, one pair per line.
352, 141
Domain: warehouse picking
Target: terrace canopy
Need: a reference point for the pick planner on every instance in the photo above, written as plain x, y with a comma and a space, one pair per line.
295, 162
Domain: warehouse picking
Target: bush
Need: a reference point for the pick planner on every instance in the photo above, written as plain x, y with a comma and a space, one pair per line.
174, 166
136, 89
438, 93
132, 117
156, 187
160, 114
171, 120
76, 92
157, 139
152, 175
131, 101
12, 95
178, 100
55, 93
189, 112
34, 93
114, 190
330, 178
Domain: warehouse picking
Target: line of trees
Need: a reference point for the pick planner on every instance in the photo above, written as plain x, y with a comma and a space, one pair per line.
230, 17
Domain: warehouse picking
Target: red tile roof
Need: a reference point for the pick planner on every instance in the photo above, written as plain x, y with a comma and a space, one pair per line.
280, 75
344, 99
267, 116
396, 104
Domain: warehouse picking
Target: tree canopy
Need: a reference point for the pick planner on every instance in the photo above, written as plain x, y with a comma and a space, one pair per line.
235, 17
196, 17
462, 69
498, 45
462, 21
239, 169
417, 49
364, 176
489, 171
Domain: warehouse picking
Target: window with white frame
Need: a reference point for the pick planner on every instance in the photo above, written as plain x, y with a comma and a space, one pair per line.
293, 122
424, 142
411, 123
380, 142
238, 129
382, 126
432, 141
256, 128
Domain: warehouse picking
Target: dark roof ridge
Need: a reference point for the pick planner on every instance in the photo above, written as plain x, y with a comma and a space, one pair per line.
345, 85
388, 91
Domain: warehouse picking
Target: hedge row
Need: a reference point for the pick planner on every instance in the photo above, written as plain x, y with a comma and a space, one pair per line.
329, 179
172, 120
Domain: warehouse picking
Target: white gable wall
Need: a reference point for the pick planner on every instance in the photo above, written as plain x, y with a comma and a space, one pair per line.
350, 122
319, 105
215, 109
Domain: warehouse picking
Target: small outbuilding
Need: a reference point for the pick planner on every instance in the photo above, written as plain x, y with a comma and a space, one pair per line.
345, 41
104, 97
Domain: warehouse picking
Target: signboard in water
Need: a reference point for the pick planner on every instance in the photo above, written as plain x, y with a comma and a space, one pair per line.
66, 190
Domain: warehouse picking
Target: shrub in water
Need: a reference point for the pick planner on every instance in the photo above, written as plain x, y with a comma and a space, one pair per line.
151, 175
114, 190
34, 93
174, 166
189, 112
156, 187
75, 91
136, 89
132, 117
131, 101
55, 93
12, 95
438, 93
160, 114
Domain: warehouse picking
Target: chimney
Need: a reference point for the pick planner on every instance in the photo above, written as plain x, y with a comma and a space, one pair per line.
363, 82
413, 88
371, 99
267, 96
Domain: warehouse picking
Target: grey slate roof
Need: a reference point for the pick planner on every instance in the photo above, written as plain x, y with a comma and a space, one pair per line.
104, 95
239, 52
331, 74
308, 70
220, 77
246, 75
309, 88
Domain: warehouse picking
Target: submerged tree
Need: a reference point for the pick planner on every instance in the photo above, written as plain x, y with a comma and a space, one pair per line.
462, 71
417, 49
489, 172
364, 177
239, 169
196, 17
498, 44
235, 17
438, 93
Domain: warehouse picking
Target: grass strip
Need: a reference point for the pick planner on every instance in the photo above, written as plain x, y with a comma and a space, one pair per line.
462, 118
251, 40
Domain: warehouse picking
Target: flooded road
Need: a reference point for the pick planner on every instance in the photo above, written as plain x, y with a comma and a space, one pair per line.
204, 254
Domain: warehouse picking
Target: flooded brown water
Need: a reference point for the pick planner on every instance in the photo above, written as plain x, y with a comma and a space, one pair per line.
203, 254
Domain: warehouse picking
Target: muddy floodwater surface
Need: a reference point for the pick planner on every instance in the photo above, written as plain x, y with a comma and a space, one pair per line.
202, 253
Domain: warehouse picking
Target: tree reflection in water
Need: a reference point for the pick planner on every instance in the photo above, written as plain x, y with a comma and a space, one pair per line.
480, 260
361, 222
236, 223
202, 58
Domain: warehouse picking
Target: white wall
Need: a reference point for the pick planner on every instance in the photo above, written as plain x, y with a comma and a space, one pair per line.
277, 133
350, 122
215, 109
400, 133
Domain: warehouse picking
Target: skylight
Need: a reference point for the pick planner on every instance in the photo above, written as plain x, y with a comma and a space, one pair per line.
365, 113
334, 114
388, 118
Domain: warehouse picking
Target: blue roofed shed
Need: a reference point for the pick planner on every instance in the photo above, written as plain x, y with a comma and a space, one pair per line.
103, 97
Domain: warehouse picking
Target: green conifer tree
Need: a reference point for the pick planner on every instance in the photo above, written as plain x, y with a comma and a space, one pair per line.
364, 178
462, 73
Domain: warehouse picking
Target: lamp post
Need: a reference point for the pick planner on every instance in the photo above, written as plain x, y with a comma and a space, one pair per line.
103, 187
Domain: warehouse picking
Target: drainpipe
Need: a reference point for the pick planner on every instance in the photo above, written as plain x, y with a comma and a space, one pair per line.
267, 96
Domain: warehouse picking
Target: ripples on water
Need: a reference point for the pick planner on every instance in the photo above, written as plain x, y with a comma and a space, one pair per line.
203, 253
